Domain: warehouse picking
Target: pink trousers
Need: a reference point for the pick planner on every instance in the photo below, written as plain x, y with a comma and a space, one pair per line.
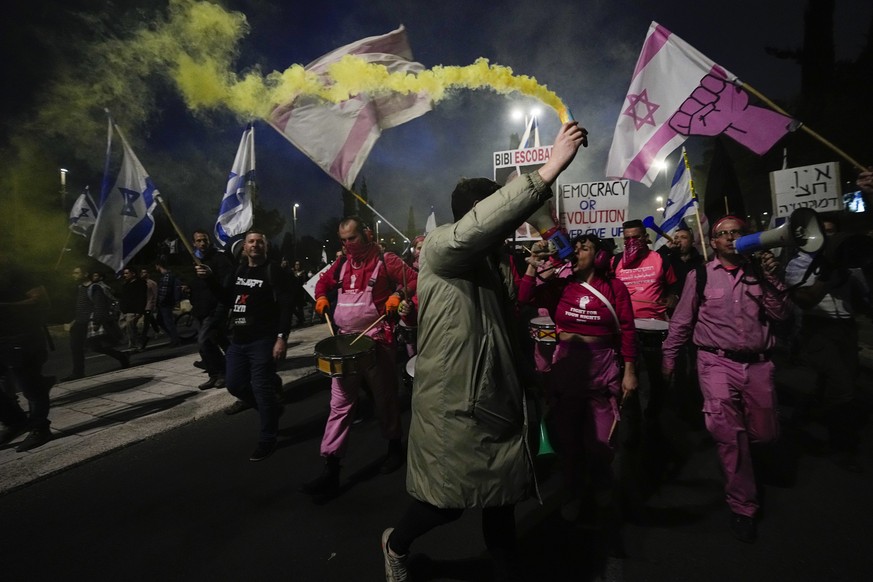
344, 392
739, 406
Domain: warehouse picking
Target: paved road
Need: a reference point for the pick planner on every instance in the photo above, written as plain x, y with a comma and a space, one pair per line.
186, 504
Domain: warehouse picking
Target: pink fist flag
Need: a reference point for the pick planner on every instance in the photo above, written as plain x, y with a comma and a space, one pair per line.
339, 137
676, 92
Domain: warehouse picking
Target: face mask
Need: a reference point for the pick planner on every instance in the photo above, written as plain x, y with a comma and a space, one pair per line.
355, 249
634, 250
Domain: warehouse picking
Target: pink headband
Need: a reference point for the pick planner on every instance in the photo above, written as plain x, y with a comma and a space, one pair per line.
718, 222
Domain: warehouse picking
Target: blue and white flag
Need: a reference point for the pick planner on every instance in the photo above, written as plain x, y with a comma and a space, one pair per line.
125, 224
83, 214
680, 203
235, 213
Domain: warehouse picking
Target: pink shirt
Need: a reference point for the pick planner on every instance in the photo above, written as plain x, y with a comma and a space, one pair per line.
730, 317
575, 309
647, 282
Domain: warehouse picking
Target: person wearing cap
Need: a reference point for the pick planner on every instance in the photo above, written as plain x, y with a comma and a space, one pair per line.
731, 322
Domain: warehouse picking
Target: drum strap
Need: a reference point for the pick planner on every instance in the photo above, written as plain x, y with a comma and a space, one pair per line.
606, 302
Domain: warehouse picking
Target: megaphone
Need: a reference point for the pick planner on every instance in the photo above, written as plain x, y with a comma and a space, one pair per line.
546, 225
803, 230
649, 222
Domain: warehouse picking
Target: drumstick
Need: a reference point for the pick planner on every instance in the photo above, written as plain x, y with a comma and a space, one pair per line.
329, 326
372, 325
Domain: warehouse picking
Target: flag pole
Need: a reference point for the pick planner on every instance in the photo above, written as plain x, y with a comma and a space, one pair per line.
63, 248
160, 200
696, 205
814, 134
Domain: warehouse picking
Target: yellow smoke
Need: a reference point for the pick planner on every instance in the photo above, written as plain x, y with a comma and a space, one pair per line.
201, 70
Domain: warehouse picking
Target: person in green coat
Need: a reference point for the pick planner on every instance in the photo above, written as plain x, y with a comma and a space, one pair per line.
467, 446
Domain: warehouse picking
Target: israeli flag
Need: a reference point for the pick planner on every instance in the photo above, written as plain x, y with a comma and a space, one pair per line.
680, 203
125, 224
235, 213
83, 215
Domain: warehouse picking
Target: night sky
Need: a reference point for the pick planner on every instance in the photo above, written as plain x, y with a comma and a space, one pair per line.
585, 51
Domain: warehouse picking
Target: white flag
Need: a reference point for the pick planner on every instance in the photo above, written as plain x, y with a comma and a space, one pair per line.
125, 224
83, 215
431, 222
339, 137
235, 213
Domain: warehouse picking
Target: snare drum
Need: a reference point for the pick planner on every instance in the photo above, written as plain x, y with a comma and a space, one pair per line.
406, 334
337, 356
651, 332
542, 329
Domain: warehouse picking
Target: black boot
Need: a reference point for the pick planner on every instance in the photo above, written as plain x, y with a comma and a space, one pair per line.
394, 459
328, 482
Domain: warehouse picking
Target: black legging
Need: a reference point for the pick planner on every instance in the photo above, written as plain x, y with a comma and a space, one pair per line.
498, 527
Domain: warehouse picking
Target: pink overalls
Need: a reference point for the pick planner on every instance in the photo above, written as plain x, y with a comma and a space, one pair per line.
355, 312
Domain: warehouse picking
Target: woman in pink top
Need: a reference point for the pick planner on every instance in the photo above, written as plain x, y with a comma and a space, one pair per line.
587, 380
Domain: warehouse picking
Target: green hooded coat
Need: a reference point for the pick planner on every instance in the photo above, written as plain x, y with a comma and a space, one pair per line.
467, 435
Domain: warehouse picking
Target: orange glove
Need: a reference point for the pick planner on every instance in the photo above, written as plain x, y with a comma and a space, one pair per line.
392, 304
322, 305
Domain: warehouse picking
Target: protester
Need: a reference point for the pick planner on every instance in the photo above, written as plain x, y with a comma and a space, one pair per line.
209, 308
93, 312
149, 320
169, 296
371, 285
731, 323
299, 277
24, 304
132, 303
652, 285
467, 439
594, 324
832, 297
261, 316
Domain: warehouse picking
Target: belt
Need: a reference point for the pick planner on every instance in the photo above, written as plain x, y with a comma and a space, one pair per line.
741, 357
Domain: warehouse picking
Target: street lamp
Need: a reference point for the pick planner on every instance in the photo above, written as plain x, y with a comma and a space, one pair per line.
378, 222
294, 231
63, 187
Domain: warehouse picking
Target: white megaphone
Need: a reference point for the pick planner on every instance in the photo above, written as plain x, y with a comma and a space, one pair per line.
803, 230
545, 224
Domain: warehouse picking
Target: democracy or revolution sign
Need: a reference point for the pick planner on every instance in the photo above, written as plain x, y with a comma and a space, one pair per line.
596, 208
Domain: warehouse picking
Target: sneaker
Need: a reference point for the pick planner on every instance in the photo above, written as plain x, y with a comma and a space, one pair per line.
37, 438
12, 432
263, 450
395, 565
744, 528
236, 407
219, 382
200, 364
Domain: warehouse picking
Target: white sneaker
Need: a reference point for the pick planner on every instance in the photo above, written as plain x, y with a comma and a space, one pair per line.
395, 566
